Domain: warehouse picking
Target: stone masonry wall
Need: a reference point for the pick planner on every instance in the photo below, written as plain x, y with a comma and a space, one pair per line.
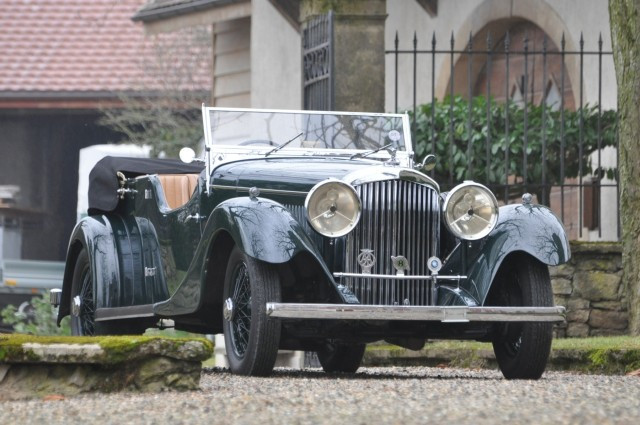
590, 287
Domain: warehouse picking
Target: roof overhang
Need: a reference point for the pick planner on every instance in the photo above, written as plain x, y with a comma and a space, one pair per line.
160, 17
71, 99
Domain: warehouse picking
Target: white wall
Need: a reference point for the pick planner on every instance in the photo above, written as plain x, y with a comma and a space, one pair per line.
276, 65
462, 16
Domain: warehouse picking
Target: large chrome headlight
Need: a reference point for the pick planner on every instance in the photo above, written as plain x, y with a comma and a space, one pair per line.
470, 211
333, 208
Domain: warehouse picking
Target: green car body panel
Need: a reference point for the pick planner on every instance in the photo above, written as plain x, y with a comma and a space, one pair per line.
530, 229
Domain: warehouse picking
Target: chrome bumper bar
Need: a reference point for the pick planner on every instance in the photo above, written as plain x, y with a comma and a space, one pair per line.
398, 276
457, 314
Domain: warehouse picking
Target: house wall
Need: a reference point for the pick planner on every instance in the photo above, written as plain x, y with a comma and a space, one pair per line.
276, 70
232, 63
461, 17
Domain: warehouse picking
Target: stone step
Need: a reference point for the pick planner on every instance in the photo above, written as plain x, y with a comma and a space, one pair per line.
33, 367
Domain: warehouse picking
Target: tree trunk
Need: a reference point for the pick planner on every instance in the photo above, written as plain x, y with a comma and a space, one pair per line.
625, 35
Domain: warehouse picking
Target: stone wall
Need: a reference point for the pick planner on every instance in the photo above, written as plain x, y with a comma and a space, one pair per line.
590, 287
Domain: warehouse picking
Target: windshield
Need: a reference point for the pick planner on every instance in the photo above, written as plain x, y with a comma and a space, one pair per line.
315, 131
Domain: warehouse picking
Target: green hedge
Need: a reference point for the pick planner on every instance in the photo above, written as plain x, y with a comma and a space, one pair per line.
476, 154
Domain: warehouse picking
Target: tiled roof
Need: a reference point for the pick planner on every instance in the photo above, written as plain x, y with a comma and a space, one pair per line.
70, 46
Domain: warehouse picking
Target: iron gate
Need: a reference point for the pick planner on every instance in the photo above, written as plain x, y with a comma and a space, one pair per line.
317, 63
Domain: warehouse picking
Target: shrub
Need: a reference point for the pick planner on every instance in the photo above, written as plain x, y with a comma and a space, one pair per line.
40, 321
469, 161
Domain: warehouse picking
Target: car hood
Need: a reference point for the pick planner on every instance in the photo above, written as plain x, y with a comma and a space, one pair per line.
292, 174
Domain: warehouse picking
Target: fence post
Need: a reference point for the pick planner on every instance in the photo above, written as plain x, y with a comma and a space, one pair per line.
507, 42
545, 198
488, 141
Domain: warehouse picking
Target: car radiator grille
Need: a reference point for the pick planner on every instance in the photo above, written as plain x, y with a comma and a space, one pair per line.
398, 218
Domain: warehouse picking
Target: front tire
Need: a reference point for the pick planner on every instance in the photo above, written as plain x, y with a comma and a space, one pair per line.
522, 348
251, 338
337, 357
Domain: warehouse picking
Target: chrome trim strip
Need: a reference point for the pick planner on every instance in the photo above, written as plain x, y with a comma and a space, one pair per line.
262, 191
397, 277
130, 312
379, 173
444, 314
298, 111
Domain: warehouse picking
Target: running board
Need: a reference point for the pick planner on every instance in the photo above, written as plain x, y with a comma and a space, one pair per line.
130, 312
434, 313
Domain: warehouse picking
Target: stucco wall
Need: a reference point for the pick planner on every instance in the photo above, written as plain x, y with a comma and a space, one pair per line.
276, 70
463, 16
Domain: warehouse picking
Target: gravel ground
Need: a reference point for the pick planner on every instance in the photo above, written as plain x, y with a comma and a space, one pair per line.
392, 395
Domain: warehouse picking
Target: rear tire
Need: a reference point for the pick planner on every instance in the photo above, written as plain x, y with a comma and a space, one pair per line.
82, 305
522, 348
83, 296
337, 357
251, 338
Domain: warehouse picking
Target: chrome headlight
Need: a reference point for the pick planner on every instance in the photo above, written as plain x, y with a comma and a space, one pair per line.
470, 211
333, 208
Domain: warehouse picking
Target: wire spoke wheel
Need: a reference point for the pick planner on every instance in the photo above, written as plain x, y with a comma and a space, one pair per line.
82, 298
241, 323
251, 337
87, 310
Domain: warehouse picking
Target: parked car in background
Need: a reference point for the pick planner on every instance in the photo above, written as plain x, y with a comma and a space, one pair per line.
311, 231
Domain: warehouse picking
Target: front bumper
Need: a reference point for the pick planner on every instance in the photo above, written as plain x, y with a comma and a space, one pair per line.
451, 314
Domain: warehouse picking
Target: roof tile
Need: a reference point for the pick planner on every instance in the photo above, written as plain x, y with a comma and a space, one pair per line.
76, 46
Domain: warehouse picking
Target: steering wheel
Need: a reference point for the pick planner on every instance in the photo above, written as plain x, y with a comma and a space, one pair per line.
258, 142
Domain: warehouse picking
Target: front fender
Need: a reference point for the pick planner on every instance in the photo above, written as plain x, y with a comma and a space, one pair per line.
261, 228
532, 229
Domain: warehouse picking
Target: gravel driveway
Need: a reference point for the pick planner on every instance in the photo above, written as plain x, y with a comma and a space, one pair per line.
394, 395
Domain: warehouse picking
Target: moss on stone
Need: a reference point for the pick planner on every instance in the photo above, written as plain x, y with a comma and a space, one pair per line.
116, 348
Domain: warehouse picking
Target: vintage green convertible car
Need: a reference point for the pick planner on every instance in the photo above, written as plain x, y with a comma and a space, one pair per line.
311, 231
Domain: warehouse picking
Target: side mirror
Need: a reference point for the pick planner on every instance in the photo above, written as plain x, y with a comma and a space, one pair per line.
427, 164
187, 155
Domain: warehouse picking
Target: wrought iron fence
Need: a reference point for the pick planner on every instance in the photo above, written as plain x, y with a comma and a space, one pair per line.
568, 188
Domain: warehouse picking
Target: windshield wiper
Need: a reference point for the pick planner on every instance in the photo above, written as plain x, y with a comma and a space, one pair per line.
276, 149
363, 154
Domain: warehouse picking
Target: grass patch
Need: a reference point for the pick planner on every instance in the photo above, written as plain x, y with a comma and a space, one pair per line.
598, 343
613, 355
593, 343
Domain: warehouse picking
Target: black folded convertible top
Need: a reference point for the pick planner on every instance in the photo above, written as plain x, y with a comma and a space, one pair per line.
103, 181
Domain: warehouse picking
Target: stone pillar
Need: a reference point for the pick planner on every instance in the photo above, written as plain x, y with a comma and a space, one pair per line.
358, 45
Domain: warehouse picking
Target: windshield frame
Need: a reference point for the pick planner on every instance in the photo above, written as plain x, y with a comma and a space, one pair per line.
403, 156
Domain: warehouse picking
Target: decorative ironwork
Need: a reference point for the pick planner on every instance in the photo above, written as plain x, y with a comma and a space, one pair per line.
553, 89
317, 61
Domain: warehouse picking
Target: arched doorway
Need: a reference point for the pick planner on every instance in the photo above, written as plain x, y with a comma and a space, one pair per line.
519, 50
